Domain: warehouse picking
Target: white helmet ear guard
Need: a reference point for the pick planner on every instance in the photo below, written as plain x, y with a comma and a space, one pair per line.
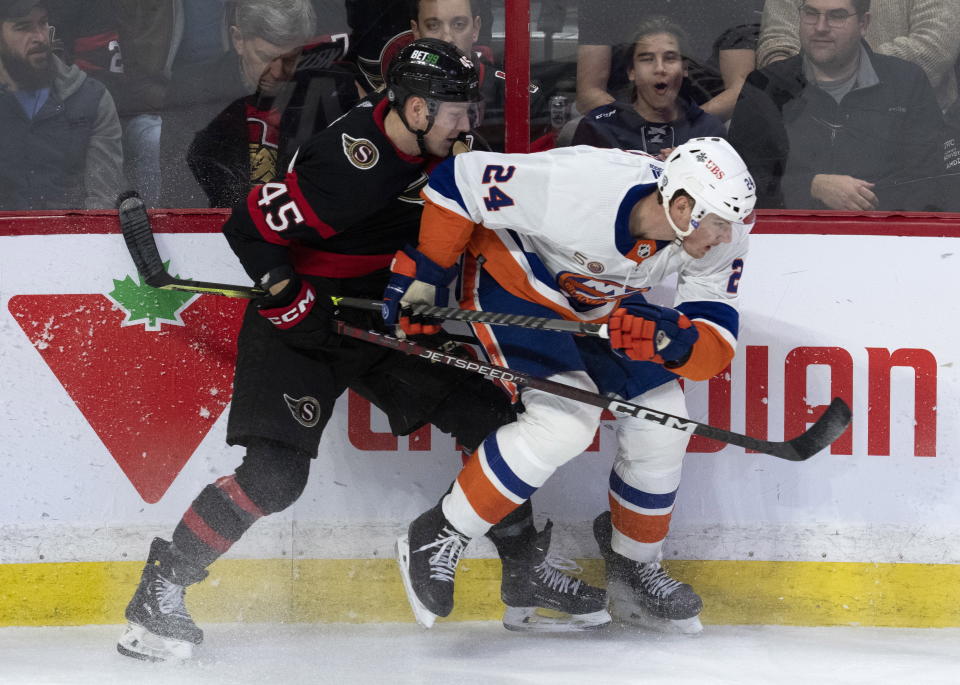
711, 172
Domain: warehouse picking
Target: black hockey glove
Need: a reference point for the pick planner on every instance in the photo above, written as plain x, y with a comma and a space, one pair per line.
302, 318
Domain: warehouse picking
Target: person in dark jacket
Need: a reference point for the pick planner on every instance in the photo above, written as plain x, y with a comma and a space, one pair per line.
60, 130
259, 32
839, 126
660, 116
253, 139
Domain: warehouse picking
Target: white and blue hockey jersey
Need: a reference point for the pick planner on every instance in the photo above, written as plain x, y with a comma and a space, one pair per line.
554, 228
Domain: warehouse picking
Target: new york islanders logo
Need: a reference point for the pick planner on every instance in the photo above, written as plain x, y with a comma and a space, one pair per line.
360, 152
586, 292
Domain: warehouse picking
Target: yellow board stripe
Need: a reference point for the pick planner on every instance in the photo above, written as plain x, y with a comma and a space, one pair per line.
369, 590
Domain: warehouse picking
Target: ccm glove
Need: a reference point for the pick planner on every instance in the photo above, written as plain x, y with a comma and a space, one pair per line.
303, 320
649, 333
415, 279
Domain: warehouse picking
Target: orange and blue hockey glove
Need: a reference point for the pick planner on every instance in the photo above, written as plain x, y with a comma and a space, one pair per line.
415, 279
650, 333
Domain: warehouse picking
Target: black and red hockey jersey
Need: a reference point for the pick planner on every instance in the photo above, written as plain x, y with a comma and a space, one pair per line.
350, 201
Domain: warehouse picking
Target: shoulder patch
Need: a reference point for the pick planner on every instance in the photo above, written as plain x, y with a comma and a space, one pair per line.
360, 152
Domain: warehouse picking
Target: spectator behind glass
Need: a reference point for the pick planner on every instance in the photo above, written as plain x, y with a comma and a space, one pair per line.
452, 21
458, 22
839, 126
461, 23
59, 130
259, 31
659, 117
127, 46
723, 36
201, 41
376, 24
253, 139
925, 32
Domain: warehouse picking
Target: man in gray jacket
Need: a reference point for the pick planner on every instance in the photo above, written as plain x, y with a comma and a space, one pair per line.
59, 130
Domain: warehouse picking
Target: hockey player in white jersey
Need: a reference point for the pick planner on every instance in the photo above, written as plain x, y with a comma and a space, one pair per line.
581, 233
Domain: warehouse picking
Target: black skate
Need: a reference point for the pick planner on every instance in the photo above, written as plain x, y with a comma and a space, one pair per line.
428, 556
160, 627
538, 581
643, 594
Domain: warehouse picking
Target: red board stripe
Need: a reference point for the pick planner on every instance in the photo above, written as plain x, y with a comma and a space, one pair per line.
917, 225
105, 222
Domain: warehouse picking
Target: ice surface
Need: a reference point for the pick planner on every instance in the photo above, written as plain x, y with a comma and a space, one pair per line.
485, 653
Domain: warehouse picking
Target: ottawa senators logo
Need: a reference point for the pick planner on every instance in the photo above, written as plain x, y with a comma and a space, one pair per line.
361, 152
263, 137
305, 410
411, 193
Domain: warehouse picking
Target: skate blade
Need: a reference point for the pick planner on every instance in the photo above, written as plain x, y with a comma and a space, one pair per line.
624, 609
537, 620
139, 643
424, 616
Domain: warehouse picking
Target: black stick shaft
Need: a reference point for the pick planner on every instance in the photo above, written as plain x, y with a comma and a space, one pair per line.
827, 428
543, 323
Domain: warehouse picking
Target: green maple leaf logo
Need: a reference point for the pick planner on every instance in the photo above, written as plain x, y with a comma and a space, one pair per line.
149, 306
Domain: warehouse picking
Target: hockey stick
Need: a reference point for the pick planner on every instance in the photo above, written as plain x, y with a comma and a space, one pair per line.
831, 424
142, 245
135, 226
595, 330
137, 234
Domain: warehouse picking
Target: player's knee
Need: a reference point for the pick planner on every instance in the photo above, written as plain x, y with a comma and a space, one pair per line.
480, 409
653, 451
557, 428
657, 479
648, 446
273, 475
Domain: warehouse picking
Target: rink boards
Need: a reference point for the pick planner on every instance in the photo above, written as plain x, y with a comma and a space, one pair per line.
111, 428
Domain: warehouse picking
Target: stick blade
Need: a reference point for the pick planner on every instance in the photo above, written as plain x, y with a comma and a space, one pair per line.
830, 426
137, 234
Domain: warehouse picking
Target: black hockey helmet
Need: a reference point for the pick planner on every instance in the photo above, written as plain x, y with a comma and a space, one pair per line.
434, 70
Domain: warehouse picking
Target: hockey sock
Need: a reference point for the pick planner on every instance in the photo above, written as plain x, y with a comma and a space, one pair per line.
489, 487
269, 480
218, 517
640, 519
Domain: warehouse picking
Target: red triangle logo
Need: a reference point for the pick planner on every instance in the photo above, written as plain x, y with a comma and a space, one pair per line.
150, 395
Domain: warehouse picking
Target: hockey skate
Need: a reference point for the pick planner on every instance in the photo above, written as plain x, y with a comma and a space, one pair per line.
160, 628
428, 556
643, 594
537, 581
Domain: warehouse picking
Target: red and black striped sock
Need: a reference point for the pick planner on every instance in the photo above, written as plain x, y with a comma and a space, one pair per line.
218, 517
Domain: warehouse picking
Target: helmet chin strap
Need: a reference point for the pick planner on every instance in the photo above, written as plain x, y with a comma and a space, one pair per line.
420, 133
676, 229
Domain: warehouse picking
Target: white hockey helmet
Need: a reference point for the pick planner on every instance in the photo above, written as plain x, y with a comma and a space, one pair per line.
711, 172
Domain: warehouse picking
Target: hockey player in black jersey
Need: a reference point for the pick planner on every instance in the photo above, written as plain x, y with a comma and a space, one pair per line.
331, 227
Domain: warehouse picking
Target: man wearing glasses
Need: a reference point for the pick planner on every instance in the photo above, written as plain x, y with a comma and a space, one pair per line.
839, 126
925, 32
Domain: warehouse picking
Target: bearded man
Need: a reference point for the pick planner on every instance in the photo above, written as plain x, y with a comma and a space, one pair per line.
58, 127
